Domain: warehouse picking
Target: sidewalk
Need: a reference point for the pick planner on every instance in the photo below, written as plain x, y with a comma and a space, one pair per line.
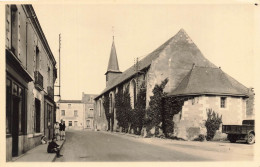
38, 154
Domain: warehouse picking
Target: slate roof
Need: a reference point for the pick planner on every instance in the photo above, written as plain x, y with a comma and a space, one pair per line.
210, 81
113, 63
69, 101
183, 53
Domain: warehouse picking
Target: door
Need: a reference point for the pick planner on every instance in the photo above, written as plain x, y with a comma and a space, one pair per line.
15, 125
88, 123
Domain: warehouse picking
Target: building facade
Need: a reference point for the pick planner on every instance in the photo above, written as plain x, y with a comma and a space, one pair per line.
77, 114
30, 77
173, 60
72, 112
88, 100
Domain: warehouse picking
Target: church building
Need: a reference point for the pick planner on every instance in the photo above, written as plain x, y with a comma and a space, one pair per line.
189, 74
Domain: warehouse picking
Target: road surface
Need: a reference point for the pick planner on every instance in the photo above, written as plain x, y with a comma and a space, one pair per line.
113, 147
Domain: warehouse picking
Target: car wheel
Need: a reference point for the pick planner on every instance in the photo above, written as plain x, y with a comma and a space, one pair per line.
251, 138
232, 138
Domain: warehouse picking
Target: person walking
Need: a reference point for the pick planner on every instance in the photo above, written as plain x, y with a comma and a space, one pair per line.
62, 130
56, 130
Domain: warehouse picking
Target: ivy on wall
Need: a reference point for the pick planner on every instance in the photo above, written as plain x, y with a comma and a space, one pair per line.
172, 105
123, 108
154, 112
139, 110
106, 107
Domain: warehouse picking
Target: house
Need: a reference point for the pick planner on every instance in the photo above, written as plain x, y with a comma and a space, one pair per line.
177, 59
208, 88
88, 100
72, 112
30, 77
77, 114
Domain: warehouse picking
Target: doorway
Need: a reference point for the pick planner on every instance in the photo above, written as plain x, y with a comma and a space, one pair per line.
15, 125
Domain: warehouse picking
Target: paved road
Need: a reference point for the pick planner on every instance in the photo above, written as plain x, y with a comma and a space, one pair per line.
103, 146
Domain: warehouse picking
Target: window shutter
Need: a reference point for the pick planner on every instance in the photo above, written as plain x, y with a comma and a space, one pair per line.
19, 36
8, 27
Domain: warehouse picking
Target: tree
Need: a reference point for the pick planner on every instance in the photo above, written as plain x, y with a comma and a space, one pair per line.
212, 123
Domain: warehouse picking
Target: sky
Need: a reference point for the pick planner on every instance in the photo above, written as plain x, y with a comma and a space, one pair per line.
223, 33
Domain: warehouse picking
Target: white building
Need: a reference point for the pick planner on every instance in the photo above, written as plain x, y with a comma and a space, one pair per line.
72, 112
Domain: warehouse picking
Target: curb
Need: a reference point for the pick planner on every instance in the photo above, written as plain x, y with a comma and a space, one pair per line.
60, 149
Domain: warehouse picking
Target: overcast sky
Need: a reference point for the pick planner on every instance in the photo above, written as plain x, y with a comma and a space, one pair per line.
223, 33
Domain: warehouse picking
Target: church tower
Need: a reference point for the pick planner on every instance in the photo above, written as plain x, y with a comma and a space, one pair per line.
113, 68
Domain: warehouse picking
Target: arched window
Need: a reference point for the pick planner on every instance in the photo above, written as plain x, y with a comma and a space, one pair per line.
111, 102
133, 93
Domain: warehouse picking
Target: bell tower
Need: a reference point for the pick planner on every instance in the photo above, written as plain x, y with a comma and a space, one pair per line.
113, 68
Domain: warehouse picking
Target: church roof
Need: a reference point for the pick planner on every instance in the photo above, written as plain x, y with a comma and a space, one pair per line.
183, 52
113, 63
208, 80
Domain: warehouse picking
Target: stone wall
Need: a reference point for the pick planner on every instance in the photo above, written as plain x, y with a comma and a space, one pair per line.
190, 122
100, 122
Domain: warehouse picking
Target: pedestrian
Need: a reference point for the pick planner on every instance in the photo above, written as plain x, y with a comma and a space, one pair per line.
56, 130
62, 130
53, 147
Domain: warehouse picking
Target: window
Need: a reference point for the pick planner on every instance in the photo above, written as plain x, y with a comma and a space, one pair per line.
15, 108
70, 123
37, 68
49, 75
75, 123
223, 102
100, 107
193, 101
37, 122
62, 112
69, 105
49, 116
75, 113
133, 93
14, 30
110, 103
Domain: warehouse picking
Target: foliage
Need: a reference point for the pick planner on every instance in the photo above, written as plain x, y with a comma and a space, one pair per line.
172, 106
212, 123
106, 107
139, 111
155, 109
123, 108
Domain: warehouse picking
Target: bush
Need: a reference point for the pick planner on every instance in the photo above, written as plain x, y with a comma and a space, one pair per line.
212, 123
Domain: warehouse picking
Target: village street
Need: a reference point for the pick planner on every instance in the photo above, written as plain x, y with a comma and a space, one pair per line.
114, 147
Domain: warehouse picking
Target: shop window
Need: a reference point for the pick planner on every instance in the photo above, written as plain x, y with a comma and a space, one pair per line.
18, 107
49, 116
8, 106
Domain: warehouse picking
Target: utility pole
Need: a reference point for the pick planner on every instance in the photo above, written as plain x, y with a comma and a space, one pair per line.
59, 68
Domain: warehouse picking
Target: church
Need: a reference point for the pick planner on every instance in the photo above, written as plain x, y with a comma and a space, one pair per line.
189, 74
